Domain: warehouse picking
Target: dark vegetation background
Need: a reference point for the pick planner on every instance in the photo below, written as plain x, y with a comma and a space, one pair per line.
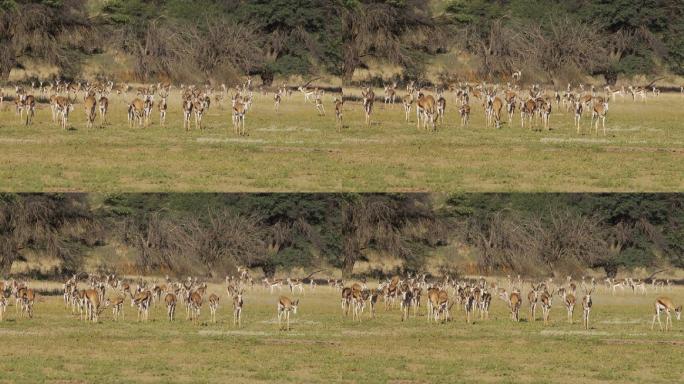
210, 234
221, 40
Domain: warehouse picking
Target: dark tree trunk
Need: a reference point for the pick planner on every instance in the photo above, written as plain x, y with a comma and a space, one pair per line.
269, 270
611, 77
266, 77
611, 270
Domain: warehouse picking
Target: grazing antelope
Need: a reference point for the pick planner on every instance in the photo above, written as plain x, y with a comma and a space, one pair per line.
213, 306
170, 299
464, 111
237, 309
586, 308
103, 106
546, 302
285, 307
93, 299
665, 304
63, 106
599, 113
368, 100
90, 105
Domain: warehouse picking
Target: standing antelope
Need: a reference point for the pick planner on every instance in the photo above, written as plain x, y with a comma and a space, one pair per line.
533, 298
136, 110
213, 306
237, 309
90, 105
187, 112
30, 107
103, 105
170, 299
546, 302
142, 300
569, 301
545, 112
368, 100
339, 103
666, 304
195, 304
199, 106
285, 307
407, 101
276, 101
586, 308
239, 112
3, 306
117, 307
319, 105
441, 109
599, 113
425, 110
163, 107
578, 114
464, 111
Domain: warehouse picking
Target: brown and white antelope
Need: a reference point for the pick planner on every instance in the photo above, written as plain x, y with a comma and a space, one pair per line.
425, 111
213, 306
29, 105
90, 106
339, 104
599, 112
237, 309
665, 304
170, 300
136, 111
407, 102
546, 300
569, 301
195, 305
117, 307
163, 106
285, 307
368, 100
586, 308
239, 111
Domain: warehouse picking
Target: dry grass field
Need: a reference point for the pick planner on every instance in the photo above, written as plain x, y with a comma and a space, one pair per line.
324, 346
296, 150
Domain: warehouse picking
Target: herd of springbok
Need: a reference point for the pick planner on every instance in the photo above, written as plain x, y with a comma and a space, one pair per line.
440, 297
534, 104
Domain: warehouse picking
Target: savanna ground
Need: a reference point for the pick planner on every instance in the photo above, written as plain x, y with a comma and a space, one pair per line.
323, 346
296, 150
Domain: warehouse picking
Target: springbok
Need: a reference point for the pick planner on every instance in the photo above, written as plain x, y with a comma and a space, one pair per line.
136, 110
425, 111
586, 308
163, 106
195, 305
3, 306
339, 103
90, 105
213, 306
29, 104
285, 307
665, 304
533, 298
170, 299
117, 307
407, 101
239, 112
187, 112
599, 113
103, 106
237, 309
441, 109
569, 301
546, 302
276, 101
464, 111
368, 100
